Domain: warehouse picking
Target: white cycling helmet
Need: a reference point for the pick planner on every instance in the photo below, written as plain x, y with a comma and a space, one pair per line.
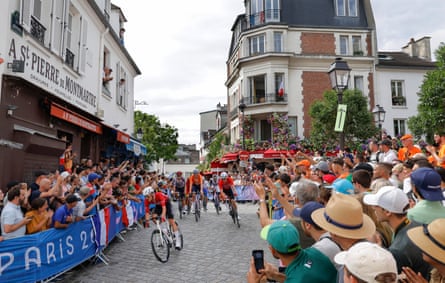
147, 191
224, 175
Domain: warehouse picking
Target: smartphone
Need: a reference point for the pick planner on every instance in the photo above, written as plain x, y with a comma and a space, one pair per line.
258, 257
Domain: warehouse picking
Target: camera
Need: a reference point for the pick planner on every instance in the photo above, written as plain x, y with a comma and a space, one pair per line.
258, 257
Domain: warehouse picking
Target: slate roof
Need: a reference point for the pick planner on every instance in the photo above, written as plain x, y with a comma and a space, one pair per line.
401, 59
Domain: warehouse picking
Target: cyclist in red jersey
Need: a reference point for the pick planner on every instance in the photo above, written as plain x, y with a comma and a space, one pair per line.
163, 207
227, 188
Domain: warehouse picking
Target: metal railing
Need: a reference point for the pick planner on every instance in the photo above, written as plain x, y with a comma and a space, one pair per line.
266, 16
266, 98
37, 30
69, 58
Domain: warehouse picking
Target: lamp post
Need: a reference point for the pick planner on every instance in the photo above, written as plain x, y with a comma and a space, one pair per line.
339, 76
242, 107
139, 134
379, 116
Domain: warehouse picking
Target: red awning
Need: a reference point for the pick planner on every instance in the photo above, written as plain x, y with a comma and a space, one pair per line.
229, 157
244, 155
274, 154
257, 154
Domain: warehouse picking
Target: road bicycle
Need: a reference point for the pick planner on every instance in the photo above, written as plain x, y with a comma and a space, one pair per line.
180, 200
233, 212
216, 201
163, 239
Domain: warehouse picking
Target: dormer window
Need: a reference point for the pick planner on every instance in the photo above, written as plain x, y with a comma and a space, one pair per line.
346, 8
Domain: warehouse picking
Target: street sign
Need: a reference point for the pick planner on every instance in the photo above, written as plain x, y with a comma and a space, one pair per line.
341, 118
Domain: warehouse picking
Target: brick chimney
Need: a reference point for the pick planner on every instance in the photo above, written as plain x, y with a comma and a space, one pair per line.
420, 48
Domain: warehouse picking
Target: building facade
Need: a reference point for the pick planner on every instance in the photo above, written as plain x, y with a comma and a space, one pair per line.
279, 56
56, 85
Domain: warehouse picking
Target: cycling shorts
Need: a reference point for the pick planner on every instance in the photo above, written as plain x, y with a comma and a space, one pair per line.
196, 189
229, 193
168, 214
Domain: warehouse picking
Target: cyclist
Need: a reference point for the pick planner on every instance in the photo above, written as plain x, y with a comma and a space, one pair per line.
227, 188
195, 185
179, 187
163, 207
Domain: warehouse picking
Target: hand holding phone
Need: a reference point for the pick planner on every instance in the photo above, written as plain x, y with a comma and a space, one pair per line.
258, 257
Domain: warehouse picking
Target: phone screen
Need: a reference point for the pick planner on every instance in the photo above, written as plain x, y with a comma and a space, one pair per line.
258, 257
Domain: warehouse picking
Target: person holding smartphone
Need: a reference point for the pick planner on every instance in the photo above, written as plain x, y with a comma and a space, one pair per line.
13, 224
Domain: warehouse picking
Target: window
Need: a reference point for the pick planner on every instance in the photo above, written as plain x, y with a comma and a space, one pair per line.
346, 8
344, 44
279, 86
292, 121
265, 130
32, 19
272, 11
121, 86
278, 41
398, 99
257, 44
399, 127
257, 89
256, 12
357, 45
358, 83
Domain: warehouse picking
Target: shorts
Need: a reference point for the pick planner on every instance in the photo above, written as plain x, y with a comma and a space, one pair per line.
168, 214
229, 194
196, 189
180, 191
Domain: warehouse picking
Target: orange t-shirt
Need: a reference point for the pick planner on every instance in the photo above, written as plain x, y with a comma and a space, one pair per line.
405, 153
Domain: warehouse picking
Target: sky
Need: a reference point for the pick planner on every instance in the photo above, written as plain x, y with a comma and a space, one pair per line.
181, 48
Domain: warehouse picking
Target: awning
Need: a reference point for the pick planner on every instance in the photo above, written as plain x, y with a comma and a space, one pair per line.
257, 154
120, 136
229, 157
274, 154
136, 147
74, 118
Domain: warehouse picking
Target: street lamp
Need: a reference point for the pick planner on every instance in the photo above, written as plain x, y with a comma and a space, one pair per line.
242, 107
379, 116
339, 76
139, 134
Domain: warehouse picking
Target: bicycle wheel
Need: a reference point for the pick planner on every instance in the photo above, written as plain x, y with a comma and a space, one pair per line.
235, 218
159, 245
197, 211
216, 204
232, 213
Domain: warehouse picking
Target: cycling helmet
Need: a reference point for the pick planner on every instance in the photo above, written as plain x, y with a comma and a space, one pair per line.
224, 175
195, 171
179, 173
147, 191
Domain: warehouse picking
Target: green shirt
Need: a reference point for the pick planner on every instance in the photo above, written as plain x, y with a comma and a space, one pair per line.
426, 211
311, 266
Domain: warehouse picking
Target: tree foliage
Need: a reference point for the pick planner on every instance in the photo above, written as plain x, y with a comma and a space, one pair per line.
161, 140
431, 108
358, 125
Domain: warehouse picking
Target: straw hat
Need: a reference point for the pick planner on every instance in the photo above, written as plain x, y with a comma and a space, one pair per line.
343, 216
430, 239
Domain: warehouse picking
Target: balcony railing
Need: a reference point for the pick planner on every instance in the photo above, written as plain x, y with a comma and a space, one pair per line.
398, 101
69, 58
267, 98
37, 30
266, 16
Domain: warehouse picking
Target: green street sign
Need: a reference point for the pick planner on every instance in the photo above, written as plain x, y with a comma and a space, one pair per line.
341, 118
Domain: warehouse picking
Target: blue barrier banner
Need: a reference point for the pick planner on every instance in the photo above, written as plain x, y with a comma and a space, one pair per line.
246, 193
38, 256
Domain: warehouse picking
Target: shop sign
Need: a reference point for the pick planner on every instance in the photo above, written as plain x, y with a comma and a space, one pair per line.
49, 74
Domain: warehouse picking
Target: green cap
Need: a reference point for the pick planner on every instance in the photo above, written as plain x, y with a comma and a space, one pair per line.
282, 236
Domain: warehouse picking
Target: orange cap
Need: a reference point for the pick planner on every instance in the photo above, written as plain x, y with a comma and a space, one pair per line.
405, 137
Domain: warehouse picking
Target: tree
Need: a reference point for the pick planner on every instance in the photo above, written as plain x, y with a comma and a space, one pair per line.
161, 140
359, 125
431, 108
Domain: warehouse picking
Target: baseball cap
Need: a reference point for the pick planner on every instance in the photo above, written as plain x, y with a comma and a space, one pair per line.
343, 186
389, 198
64, 174
406, 137
367, 261
323, 166
282, 236
329, 178
282, 169
427, 182
93, 176
304, 162
307, 209
72, 198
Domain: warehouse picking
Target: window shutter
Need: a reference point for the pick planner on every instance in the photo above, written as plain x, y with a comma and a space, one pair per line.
83, 46
57, 23
26, 7
65, 15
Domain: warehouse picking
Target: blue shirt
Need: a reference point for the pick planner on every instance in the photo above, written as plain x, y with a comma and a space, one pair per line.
61, 214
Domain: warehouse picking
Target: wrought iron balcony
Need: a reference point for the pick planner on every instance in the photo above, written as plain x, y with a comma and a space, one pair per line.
69, 58
266, 16
37, 30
